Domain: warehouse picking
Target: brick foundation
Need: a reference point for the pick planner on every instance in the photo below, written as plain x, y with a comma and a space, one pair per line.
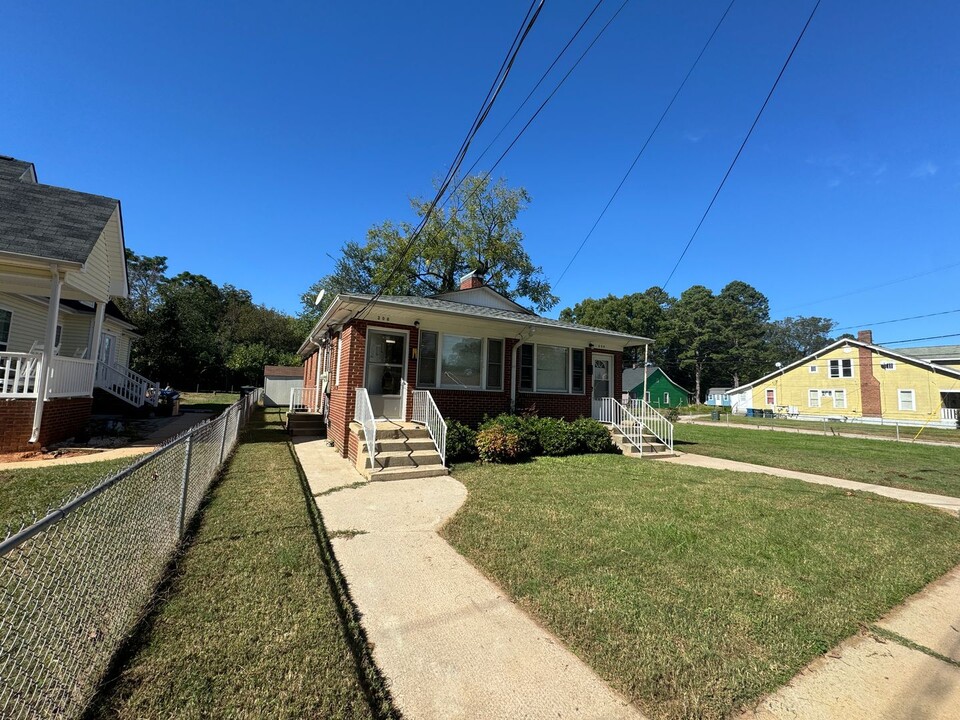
62, 418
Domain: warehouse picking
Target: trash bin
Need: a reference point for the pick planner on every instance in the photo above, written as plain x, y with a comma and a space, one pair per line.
168, 404
247, 389
751, 412
715, 415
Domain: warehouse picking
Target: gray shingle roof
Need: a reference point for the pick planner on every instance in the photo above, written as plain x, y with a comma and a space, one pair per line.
482, 311
932, 352
47, 221
13, 169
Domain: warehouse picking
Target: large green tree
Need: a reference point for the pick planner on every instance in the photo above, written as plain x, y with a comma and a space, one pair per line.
692, 335
637, 314
792, 338
743, 316
475, 230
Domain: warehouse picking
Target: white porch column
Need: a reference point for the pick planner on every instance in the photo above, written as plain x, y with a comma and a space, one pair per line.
46, 358
95, 341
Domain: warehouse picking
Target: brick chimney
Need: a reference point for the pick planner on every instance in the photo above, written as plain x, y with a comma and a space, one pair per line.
471, 280
865, 336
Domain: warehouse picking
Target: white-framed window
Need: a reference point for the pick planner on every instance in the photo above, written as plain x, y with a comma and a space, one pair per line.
339, 356
906, 400
666, 398
841, 368
813, 398
551, 369
646, 397
6, 320
840, 399
813, 368
770, 397
459, 361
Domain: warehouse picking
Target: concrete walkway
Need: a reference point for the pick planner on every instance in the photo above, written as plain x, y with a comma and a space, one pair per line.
452, 645
881, 676
940, 502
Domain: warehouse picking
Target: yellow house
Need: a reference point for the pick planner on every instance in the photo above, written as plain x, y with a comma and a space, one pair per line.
857, 380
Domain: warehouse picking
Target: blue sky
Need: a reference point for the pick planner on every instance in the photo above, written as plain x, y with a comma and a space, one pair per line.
246, 141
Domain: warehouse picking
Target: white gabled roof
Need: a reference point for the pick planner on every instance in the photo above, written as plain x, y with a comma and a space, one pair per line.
879, 349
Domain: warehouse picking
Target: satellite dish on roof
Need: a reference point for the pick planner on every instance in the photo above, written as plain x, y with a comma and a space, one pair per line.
319, 297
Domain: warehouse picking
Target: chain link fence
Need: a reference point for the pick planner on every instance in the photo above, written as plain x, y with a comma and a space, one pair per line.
74, 584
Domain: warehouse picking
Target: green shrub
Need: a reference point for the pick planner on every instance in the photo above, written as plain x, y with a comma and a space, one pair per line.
523, 426
591, 436
495, 444
671, 414
556, 437
461, 442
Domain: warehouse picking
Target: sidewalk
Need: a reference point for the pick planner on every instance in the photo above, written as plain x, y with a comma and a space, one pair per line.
940, 502
450, 642
907, 666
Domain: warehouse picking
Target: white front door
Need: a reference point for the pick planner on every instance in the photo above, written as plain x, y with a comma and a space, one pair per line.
603, 386
385, 368
108, 348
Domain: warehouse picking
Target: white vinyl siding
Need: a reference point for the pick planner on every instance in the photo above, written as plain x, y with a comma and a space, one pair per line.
906, 400
76, 334
29, 322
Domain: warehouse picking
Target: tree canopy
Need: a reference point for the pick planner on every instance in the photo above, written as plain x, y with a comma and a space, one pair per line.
196, 333
704, 339
476, 230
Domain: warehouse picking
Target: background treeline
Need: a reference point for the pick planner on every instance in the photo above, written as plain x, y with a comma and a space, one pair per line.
195, 333
703, 339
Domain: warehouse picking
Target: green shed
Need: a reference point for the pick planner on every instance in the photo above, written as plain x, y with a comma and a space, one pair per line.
662, 392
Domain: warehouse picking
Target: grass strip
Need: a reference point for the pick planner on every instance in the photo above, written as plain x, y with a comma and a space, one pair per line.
694, 592
246, 624
925, 468
30, 492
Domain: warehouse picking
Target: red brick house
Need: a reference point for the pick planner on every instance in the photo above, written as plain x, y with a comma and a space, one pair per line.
462, 354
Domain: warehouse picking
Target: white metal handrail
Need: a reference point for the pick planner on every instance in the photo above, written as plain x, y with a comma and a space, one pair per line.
655, 423
70, 377
127, 385
19, 373
305, 399
363, 414
425, 411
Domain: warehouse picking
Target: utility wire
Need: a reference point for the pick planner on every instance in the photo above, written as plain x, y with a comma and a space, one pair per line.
929, 337
531, 17
742, 145
874, 287
888, 322
646, 142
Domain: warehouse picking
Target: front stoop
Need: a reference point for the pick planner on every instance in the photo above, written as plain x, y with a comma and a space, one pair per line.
404, 451
652, 447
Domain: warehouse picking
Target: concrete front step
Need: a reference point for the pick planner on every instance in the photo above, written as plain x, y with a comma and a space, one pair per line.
652, 447
399, 444
406, 473
408, 458
306, 424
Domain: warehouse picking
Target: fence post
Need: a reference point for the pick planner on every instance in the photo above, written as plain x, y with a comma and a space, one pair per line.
223, 438
898, 431
183, 485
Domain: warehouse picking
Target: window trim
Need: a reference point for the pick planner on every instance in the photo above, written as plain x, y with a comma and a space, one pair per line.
484, 362
570, 349
913, 399
404, 362
840, 367
813, 398
339, 356
840, 392
666, 398
766, 395
6, 343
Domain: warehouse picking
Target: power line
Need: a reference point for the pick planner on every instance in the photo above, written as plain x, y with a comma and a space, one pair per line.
742, 145
888, 322
929, 337
529, 19
645, 143
874, 287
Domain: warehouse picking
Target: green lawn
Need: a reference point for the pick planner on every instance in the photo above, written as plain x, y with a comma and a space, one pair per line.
694, 592
929, 434
248, 625
926, 468
35, 490
211, 402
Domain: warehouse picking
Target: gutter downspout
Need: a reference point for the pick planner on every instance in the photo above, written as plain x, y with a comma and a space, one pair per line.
46, 358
